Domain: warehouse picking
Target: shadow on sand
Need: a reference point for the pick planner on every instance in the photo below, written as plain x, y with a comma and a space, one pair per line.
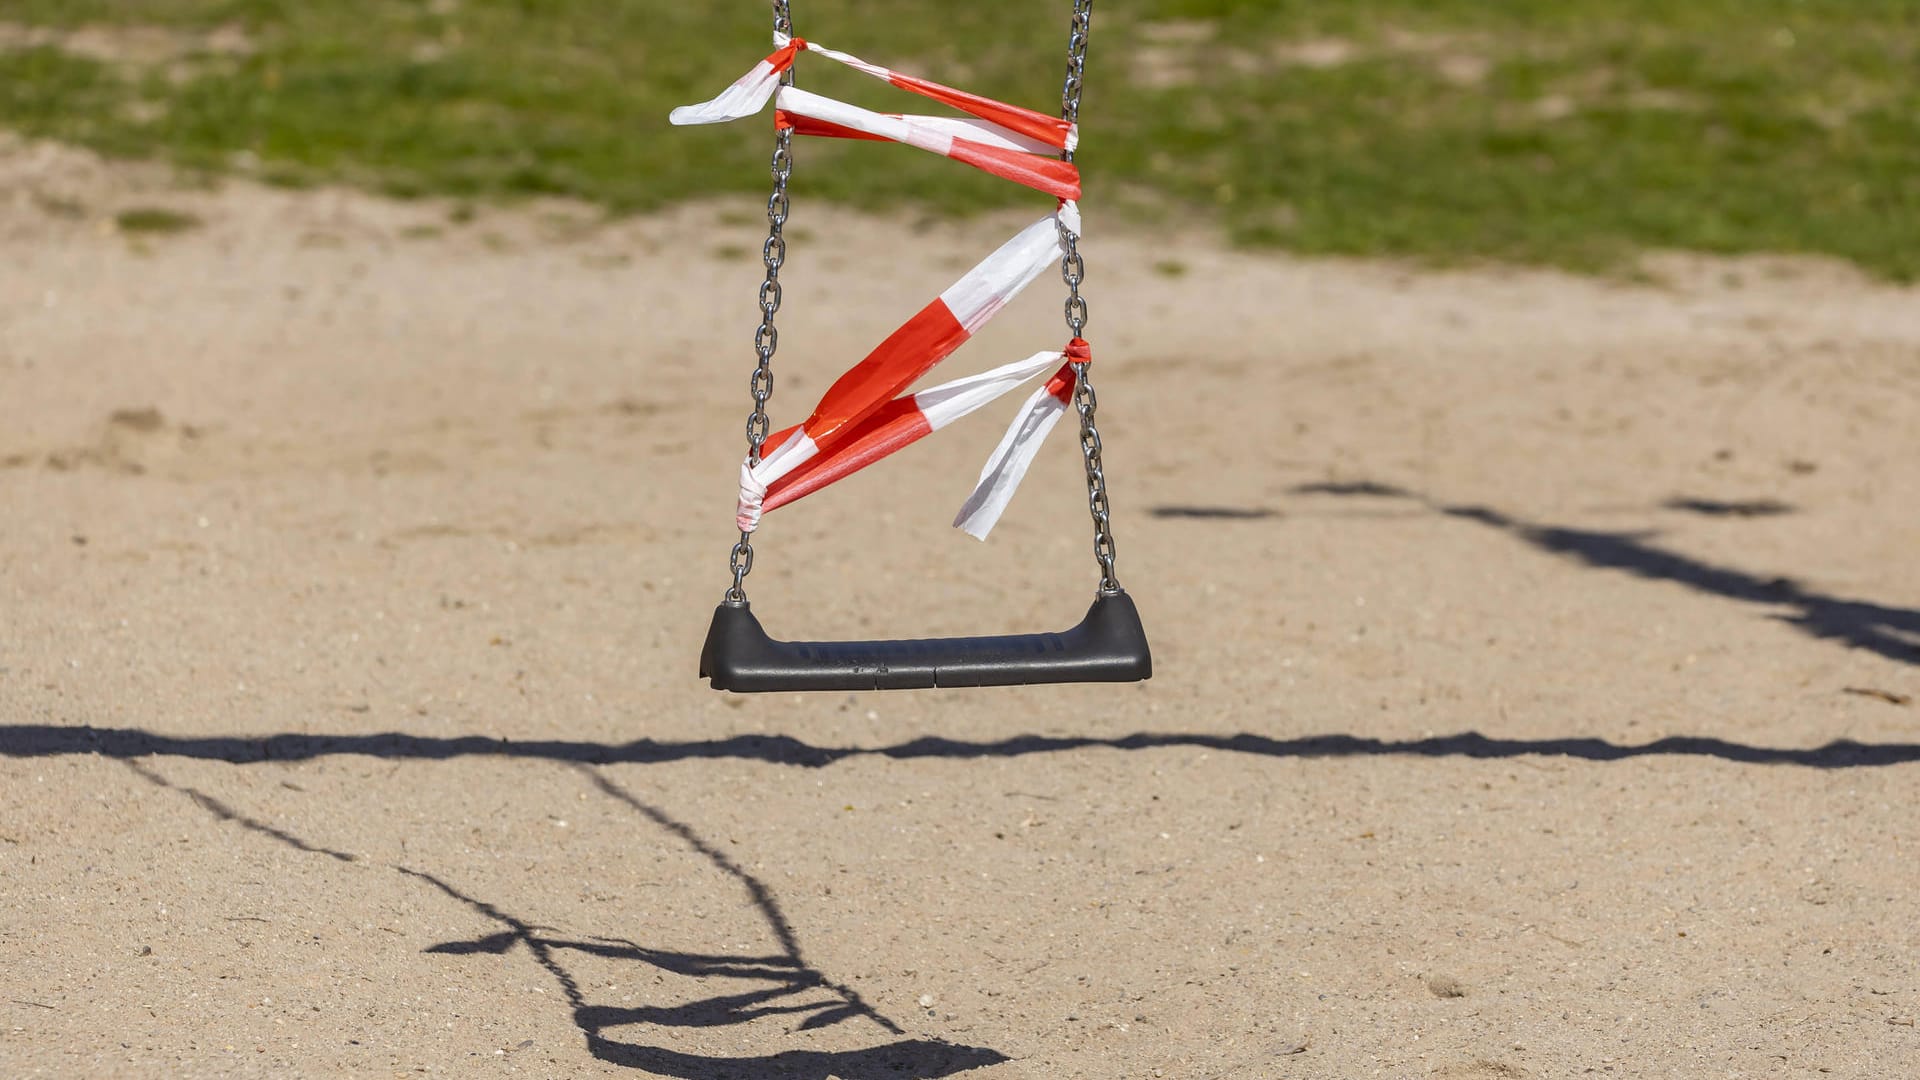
773, 984
783, 982
1892, 632
46, 740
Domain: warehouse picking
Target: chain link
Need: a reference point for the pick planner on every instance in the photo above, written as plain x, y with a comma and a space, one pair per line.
1073, 270
766, 339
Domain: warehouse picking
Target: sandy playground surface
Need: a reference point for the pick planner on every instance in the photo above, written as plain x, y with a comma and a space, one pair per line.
1537, 663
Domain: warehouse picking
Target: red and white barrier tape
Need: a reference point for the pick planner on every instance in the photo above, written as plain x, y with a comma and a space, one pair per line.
862, 417
906, 420
746, 96
1005, 140
750, 93
1007, 465
980, 143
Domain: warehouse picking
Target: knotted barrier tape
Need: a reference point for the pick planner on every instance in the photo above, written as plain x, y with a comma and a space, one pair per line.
863, 417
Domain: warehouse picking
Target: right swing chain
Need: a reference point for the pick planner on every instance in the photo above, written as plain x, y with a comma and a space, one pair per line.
1073, 270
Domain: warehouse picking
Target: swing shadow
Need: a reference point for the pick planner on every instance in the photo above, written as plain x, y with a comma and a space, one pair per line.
46, 740
786, 983
1890, 632
796, 989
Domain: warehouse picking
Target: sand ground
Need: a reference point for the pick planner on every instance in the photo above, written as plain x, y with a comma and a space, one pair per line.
1536, 663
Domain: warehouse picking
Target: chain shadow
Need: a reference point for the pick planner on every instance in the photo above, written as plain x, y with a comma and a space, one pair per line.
792, 979
233, 817
1891, 632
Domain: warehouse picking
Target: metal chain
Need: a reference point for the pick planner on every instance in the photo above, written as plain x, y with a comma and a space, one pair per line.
766, 339
1073, 270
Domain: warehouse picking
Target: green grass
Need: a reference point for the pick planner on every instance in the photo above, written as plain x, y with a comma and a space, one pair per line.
1567, 132
155, 220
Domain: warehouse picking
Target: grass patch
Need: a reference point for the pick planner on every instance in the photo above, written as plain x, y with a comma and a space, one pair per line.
154, 221
1570, 132
60, 206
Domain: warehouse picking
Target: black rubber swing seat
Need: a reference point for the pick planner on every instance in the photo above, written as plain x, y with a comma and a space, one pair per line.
1109, 645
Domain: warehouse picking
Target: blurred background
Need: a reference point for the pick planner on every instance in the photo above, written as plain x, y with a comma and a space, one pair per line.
1573, 133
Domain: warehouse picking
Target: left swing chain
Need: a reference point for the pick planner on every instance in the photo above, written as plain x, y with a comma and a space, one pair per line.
766, 339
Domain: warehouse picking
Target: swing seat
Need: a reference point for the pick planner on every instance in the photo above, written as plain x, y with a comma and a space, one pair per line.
1109, 645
